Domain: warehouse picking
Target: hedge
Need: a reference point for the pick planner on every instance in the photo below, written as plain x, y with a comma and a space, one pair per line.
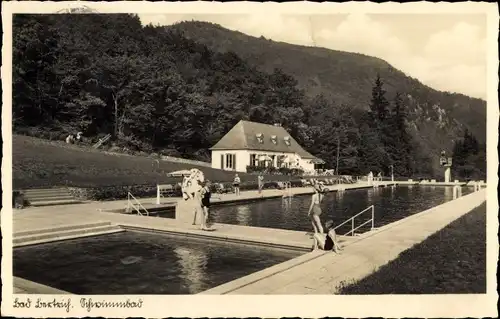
120, 192
275, 171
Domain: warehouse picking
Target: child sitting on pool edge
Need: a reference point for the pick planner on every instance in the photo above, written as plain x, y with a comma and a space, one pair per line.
327, 241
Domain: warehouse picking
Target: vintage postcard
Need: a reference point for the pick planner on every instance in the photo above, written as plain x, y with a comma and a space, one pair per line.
207, 159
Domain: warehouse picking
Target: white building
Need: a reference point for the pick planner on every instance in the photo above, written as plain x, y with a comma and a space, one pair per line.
257, 144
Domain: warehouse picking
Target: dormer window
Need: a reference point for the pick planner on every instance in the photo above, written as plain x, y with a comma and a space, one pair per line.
287, 140
274, 139
260, 137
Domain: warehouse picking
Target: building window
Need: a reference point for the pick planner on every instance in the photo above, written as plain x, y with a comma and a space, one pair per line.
221, 161
260, 138
231, 161
253, 160
287, 140
281, 161
274, 139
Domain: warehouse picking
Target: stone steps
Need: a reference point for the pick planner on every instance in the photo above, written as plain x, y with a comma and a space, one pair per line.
54, 202
32, 237
49, 197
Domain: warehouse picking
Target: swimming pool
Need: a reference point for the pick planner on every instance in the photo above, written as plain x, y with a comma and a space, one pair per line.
141, 263
391, 204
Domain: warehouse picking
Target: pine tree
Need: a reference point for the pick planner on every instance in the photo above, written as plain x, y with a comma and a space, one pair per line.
469, 158
379, 105
401, 139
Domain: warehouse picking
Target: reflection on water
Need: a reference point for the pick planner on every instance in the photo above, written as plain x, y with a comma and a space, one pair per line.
192, 263
369, 194
448, 192
154, 264
391, 204
286, 204
243, 214
340, 196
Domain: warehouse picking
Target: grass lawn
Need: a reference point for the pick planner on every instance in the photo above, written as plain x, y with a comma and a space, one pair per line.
42, 163
452, 261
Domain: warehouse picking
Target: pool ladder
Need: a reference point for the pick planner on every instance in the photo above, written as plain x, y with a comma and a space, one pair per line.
352, 219
137, 205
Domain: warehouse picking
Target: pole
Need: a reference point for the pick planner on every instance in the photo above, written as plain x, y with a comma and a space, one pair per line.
158, 193
338, 153
392, 173
373, 217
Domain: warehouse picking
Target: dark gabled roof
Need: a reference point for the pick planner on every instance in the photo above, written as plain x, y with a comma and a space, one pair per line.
244, 136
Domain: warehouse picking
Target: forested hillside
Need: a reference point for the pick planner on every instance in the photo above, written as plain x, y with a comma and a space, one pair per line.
156, 90
436, 119
346, 78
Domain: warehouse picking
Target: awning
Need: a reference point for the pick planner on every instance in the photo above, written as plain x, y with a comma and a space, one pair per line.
181, 173
317, 161
265, 158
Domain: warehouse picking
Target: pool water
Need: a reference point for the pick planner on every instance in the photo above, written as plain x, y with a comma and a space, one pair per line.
141, 263
391, 204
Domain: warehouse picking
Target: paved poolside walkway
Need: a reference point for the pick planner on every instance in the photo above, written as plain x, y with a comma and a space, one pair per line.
325, 274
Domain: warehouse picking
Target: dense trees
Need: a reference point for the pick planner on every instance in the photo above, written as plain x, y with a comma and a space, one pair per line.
155, 90
469, 158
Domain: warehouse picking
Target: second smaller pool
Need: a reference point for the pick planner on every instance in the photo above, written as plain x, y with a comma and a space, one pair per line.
141, 263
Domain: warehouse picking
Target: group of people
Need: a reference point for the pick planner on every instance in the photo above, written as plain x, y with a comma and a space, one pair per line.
202, 202
71, 139
325, 239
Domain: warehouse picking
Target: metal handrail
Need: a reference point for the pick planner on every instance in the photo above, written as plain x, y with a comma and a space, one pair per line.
129, 202
372, 220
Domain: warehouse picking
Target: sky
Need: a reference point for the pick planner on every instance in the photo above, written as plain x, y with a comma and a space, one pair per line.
444, 51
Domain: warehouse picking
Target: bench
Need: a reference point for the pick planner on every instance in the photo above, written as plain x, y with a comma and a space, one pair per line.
164, 190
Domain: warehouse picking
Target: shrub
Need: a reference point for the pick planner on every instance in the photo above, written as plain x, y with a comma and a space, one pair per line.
113, 192
274, 171
18, 200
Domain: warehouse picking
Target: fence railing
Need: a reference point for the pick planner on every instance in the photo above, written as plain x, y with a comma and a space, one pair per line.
352, 220
137, 205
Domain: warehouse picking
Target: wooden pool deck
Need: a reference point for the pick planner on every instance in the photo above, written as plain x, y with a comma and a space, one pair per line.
313, 272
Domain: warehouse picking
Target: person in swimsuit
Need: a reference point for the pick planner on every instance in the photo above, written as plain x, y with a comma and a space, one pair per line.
205, 204
236, 184
327, 241
315, 208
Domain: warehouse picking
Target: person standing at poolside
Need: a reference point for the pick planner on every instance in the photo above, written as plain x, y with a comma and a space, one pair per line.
236, 184
315, 208
205, 204
260, 181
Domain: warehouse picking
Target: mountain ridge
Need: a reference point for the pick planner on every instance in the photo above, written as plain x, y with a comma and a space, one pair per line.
345, 77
